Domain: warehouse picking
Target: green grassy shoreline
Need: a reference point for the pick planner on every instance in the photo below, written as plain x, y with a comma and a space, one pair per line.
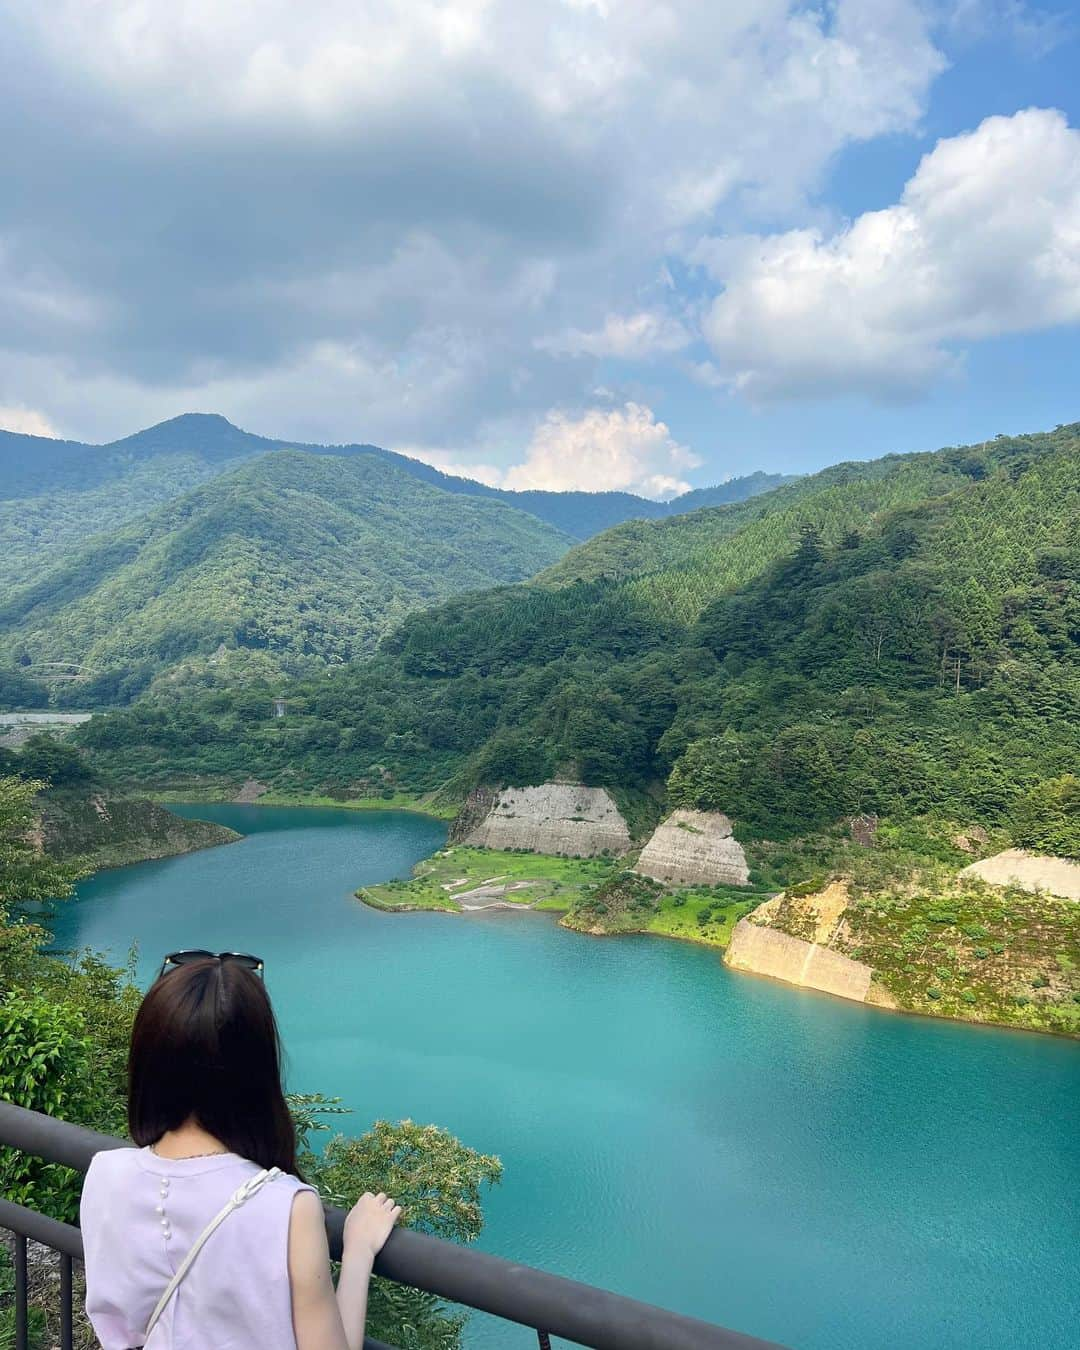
214, 795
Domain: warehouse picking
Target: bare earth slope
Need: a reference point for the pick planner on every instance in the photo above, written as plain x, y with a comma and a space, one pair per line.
694, 847
553, 818
1029, 871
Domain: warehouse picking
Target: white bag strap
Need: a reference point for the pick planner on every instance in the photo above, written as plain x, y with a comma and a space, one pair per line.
238, 1197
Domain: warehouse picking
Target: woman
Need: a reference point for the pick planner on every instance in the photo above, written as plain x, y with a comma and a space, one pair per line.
205, 1106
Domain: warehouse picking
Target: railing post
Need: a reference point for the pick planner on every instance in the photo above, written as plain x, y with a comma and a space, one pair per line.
66, 1329
544, 1339
22, 1334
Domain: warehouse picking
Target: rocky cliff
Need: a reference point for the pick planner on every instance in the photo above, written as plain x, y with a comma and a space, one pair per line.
788, 938
693, 848
551, 818
767, 951
1030, 871
97, 830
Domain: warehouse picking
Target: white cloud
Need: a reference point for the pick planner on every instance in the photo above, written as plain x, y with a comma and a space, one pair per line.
630, 337
624, 449
985, 240
450, 461
25, 420
862, 68
394, 219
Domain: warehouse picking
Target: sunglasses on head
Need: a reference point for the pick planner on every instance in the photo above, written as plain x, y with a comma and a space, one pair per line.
185, 958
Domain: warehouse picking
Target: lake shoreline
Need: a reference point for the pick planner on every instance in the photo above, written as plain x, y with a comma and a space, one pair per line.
96, 832
412, 803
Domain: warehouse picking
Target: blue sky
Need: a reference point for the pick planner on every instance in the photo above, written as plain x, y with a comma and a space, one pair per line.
573, 243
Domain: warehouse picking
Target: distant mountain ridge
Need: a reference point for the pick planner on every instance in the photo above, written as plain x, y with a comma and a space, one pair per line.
283, 564
198, 445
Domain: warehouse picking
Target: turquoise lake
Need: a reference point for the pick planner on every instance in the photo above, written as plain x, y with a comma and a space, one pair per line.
804, 1169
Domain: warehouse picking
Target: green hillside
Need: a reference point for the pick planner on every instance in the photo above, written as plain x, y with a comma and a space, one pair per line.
899, 637
287, 563
53, 493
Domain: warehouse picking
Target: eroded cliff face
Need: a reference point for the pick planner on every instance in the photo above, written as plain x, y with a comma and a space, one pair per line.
767, 951
99, 831
693, 848
789, 939
551, 818
1030, 871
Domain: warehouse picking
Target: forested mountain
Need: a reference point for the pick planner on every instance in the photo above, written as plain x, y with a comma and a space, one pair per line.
897, 637
53, 493
286, 563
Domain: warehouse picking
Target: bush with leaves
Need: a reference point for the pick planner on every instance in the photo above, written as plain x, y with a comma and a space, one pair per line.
435, 1178
44, 1065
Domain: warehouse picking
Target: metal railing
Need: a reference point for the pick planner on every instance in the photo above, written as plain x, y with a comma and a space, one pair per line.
547, 1304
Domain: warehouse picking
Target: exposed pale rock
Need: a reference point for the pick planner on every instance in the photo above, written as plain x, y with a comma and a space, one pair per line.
1030, 871
694, 848
822, 911
552, 818
767, 951
809, 961
970, 840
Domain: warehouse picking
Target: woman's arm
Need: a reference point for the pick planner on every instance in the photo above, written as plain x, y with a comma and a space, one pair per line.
321, 1319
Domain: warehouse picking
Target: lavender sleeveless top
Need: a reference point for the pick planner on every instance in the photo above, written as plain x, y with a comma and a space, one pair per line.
140, 1216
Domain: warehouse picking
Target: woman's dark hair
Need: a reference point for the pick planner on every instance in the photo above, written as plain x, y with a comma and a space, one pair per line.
205, 1045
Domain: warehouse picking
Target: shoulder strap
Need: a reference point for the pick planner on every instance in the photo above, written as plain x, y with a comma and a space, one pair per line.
238, 1197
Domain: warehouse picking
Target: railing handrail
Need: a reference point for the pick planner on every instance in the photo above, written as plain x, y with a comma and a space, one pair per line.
577, 1312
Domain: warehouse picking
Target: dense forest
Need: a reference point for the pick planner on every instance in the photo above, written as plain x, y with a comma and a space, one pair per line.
287, 563
199, 551
898, 638
54, 493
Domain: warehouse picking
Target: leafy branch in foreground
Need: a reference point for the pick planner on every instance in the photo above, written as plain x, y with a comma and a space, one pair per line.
435, 1178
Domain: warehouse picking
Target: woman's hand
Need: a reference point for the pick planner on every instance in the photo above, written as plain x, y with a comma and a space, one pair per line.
370, 1222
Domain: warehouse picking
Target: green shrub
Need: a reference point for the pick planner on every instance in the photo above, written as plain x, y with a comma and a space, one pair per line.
45, 1062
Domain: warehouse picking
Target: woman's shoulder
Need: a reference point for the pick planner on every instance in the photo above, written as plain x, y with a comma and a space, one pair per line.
122, 1162
112, 1161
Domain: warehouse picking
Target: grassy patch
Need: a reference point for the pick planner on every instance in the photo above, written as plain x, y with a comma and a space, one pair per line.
981, 953
629, 903
225, 790
533, 880
703, 914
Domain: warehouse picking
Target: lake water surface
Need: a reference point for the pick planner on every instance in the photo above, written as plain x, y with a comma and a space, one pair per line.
805, 1169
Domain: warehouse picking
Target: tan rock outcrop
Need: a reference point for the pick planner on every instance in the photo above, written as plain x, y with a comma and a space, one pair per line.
553, 818
694, 848
820, 914
766, 951
1029, 871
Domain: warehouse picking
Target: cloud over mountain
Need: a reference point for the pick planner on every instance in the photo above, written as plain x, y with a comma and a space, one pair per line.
356, 218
